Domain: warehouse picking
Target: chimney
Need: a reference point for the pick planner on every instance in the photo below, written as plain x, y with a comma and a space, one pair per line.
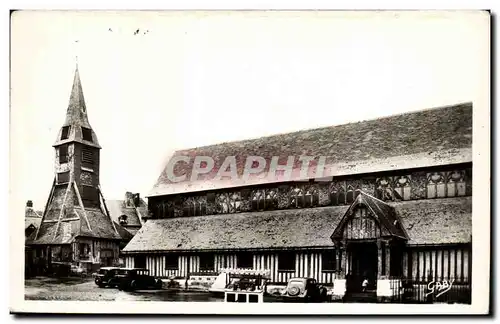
29, 204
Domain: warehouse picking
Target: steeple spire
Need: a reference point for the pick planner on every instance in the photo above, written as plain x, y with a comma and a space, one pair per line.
77, 111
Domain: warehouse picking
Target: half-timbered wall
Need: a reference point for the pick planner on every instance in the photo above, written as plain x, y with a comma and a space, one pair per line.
305, 264
95, 250
426, 264
411, 185
362, 226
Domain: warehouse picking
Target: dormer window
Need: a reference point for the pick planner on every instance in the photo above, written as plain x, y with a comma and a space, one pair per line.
65, 132
123, 220
87, 134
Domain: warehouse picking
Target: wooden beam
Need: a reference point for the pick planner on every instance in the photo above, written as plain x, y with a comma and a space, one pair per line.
46, 206
80, 202
106, 209
62, 209
140, 216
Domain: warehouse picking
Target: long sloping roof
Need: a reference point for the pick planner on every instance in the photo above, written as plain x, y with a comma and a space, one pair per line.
424, 138
436, 221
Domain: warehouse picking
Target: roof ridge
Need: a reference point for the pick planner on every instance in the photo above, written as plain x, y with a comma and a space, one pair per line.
461, 104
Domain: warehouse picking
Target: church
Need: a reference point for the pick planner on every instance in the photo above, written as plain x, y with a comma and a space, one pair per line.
395, 209
76, 230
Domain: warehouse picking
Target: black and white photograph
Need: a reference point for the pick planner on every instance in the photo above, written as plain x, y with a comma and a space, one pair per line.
250, 162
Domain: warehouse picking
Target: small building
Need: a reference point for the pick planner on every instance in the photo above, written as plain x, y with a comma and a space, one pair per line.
32, 219
130, 213
393, 206
76, 230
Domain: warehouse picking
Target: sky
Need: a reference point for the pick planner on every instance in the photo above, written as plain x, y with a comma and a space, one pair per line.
189, 79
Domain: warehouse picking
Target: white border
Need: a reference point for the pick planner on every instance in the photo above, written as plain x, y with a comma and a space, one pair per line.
481, 203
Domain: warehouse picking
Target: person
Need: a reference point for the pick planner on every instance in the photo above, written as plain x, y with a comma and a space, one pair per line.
364, 284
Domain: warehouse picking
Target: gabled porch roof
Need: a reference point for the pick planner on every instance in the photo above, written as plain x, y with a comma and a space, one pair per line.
385, 215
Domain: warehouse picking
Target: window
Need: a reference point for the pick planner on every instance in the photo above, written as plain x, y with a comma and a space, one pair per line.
328, 260
87, 158
296, 197
164, 209
337, 193
402, 188
123, 220
63, 154
207, 261
383, 189
63, 177
436, 185
194, 206
311, 196
84, 250
258, 199
245, 260
456, 184
171, 262
271, 201
87, 134
65, 132
286, 261
140, 261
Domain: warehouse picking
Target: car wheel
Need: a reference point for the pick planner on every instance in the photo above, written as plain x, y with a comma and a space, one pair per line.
133, 285
293, 291
159, 284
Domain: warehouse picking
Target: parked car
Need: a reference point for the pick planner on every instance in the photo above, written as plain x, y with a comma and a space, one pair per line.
304, 290
137, 278
106, 276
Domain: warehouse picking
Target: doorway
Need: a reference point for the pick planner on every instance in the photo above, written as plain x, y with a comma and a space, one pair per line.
363, 264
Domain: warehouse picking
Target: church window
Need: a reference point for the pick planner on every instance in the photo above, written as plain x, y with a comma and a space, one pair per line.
87, 134
337, 193
296, 197
402, 187
311, 196
383, 189
271, 201
63, 154
456, 184
65, 132
436, 185
258, 199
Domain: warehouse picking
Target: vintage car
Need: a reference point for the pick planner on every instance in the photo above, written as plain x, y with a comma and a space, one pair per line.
106, 276
304, 290
137, 278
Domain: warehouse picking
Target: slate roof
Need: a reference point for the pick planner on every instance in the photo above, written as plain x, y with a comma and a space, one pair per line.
431, 137
433, 221
76, 117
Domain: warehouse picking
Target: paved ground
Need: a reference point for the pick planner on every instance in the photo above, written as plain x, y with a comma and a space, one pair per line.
42, 288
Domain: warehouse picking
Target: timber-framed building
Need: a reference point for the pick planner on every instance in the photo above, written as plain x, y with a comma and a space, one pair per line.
394, 206
76, 230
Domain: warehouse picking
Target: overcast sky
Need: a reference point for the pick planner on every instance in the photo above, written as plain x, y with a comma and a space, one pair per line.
192, 79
